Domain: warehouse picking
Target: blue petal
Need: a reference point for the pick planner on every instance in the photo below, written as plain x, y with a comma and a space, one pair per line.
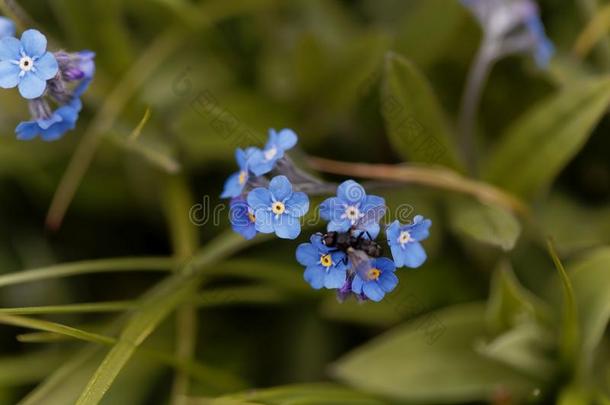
27, 130
420, 229
332, 209
34, 43
259, 198
398, 254
10, 48
7, 27
351, 192
384, 264
373, 291
264, 220
257, 163
414, 255
387, 281
9, 74
342, 225
280, 188
286, 227
335, 278
373, 208
357, 284
286, 139
314, 275
298, 204
46, 66
232, 187
307, 254
31, 86
240, 158
46, 123
393, 232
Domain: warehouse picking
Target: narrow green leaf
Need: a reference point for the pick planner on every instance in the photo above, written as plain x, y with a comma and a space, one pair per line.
88, 267
591, 281
539, 144
414, 119
406, 364
27, 368
485, 223
156, 306
569, 343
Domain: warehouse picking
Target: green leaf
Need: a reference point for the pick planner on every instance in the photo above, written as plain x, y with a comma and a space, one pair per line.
485, 223
570, 338
591, 282
304, 394
540, 143
413, 116
511, 304
406, 364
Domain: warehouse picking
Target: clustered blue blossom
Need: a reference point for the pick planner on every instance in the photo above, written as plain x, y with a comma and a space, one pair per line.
45, 79
512, 26
267, 196
358, 215
262, 205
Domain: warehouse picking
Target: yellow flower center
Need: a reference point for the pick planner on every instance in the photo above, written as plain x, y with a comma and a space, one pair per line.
373, 274
251, 217
278, 208
243, 175
405, 237
326, 261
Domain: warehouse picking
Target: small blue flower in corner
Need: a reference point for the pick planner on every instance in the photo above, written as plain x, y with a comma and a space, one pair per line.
26, 64
376, 279
278, 209
404, 241
264, 160
324, 267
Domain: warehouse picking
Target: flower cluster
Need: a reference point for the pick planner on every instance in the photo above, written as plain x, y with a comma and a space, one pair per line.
45, 79
267, 197
512, 26
259, 204
347, 258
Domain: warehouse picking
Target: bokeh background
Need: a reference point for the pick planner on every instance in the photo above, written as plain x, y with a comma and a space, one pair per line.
488, 318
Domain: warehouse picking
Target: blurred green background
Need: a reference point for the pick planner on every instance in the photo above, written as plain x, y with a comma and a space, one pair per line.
489, 318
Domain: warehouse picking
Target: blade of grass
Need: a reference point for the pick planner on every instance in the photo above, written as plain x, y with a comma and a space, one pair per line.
84, 308
202, 373
87, 267
155, 306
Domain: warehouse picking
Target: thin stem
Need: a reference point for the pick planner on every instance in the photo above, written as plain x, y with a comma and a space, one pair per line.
477, 77
436, 177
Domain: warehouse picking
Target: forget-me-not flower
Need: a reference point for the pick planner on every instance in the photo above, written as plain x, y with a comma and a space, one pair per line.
26, 64
278, 209
242, 218
7, 27
353, 209
237, 181
377, 279
324, 267
404, 241
61, 121
264, 160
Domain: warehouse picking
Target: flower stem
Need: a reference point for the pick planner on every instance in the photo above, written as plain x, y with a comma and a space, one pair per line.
471, 98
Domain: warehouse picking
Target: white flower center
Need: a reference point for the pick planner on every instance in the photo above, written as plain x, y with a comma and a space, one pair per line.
270, 153
352, 213
404, 238
26, 63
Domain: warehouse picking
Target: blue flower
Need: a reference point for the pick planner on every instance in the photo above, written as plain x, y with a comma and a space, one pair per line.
236, 182
264, 160
404, 241
7, 27
375, 280
61, 121
26, 63
353, 209
543, 47
242, 218
324, 267
278, 208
